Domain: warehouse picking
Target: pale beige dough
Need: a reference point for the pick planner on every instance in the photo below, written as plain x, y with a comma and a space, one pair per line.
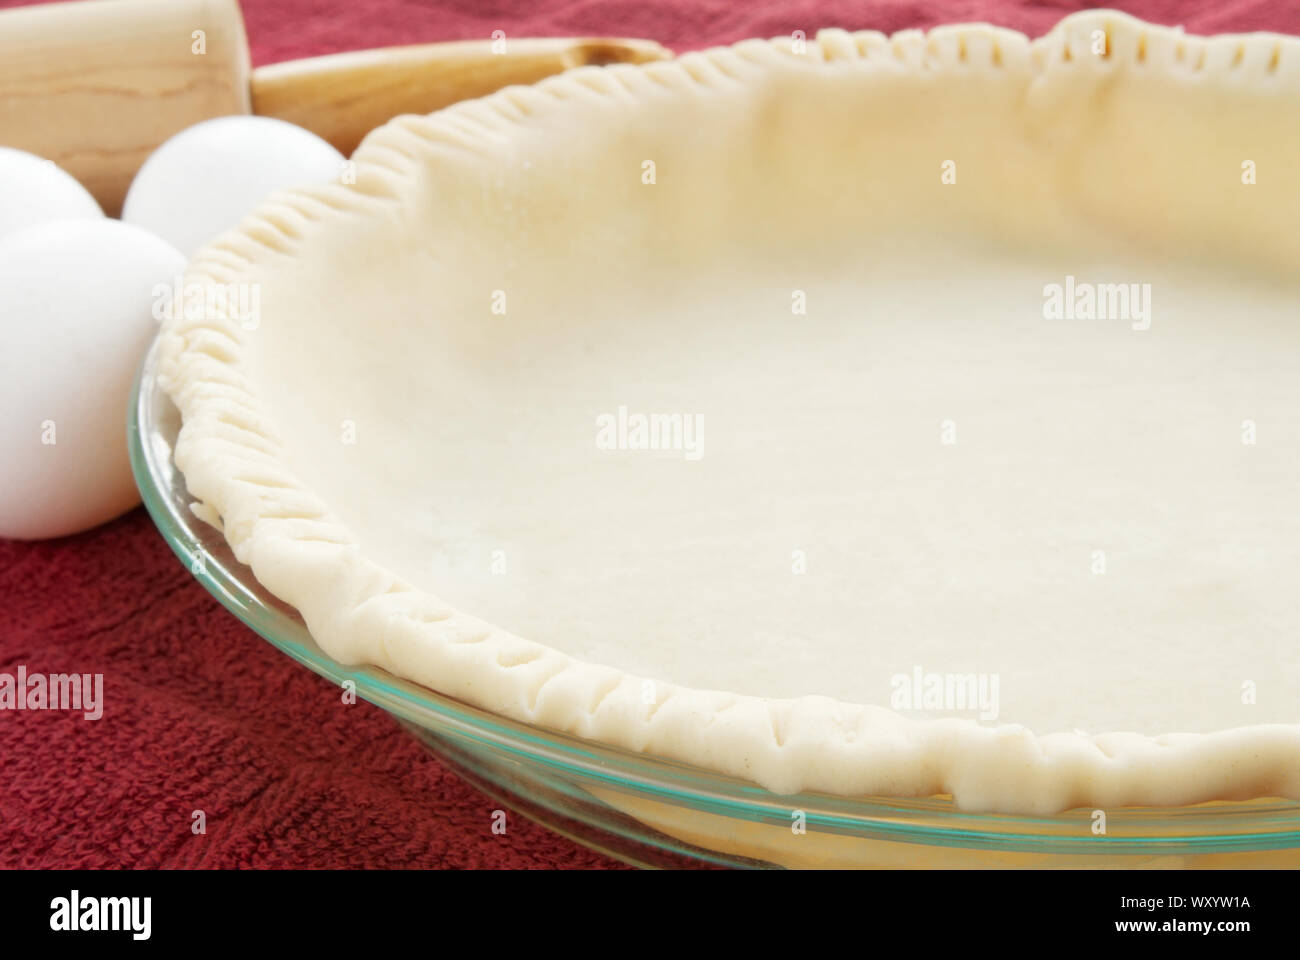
782, 178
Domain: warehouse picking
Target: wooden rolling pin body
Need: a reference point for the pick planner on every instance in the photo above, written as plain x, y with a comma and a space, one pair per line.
96, 85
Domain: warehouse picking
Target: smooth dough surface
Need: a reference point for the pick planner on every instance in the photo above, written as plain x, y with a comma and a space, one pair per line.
836, 266
828, 437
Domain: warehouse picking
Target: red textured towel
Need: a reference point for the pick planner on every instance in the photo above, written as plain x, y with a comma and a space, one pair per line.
200, 713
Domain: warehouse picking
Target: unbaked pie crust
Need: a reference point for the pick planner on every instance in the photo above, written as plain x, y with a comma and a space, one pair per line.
909, 464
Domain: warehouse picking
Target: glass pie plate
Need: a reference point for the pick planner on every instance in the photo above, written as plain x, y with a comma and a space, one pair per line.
655, 813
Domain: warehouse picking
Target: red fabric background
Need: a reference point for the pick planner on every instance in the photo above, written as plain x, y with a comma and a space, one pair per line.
201, 713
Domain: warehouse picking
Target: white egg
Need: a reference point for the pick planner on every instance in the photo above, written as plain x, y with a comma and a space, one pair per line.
34, 191
206, 179
76, 316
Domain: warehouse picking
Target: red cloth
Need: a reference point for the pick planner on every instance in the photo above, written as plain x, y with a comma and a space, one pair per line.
201, 713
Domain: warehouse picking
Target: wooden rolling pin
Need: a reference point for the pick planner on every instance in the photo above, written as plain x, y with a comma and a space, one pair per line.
96, 85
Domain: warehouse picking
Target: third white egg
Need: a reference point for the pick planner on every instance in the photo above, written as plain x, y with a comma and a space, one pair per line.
207, 178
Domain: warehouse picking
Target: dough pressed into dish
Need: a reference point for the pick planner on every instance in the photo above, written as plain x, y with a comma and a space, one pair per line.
874, 415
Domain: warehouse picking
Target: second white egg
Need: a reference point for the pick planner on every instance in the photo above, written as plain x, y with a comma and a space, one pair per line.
77, 305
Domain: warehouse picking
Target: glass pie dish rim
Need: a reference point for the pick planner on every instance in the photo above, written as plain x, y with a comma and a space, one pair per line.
1219, 827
